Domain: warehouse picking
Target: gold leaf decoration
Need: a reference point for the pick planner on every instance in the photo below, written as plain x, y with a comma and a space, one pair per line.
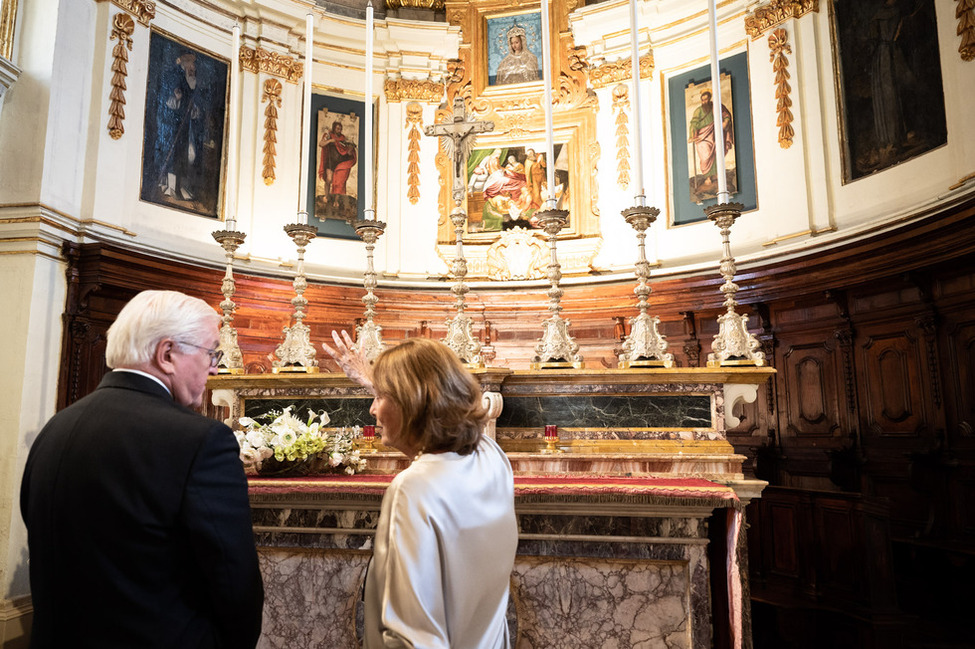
414, 120
616, 71
143, 10
965, 13
271, 95
434, 5
778, 43
621, 103
280, 65
122, 28
398, 90
776, 12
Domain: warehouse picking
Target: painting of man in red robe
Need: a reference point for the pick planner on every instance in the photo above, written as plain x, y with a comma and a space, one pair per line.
336, 193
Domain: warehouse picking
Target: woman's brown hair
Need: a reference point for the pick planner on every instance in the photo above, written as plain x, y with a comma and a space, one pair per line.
439, 400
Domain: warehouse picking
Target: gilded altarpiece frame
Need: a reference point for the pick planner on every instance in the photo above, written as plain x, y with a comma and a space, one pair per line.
519, 123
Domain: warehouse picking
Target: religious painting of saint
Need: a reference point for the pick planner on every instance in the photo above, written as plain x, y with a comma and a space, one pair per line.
336, 182
182, 150
692, 148
514, 49
506, 186
702, 154
888, 72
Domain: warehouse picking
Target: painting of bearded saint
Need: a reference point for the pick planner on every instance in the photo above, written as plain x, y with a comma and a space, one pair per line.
702, 153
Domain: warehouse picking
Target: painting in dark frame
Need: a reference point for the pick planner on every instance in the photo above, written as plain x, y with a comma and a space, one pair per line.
888, 72
186, 99
336, 183
679, 90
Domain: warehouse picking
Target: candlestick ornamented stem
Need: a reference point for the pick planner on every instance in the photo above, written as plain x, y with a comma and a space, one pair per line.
296, 353
232, 361
645, 346
460, 328
369, 335
556, 348
733, 344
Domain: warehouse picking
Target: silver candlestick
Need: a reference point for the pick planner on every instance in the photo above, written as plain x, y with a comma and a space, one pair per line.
645, 346
369, 335
296, 353
733, 344
460, 328
556, 348
232, 361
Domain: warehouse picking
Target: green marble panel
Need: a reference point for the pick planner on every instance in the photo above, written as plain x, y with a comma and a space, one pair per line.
671, 411
342, 411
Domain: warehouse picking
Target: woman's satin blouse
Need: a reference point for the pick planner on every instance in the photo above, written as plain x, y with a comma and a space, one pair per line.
444, 551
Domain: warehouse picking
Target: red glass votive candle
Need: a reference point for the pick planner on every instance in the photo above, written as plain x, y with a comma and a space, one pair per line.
368, 432
551, 431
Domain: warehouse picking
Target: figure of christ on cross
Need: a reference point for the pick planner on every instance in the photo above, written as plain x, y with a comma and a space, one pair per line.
458, 139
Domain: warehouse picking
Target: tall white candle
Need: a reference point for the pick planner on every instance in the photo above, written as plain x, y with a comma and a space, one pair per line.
370, 212
547, 106
306, 122
233, 164
639, 198
723, 196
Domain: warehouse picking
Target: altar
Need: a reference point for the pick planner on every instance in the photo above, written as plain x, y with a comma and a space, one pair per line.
630, 528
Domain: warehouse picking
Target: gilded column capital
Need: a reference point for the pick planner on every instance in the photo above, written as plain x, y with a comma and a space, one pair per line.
279, 65
143, 10
435, 5
617, 71
769, 15
398, 90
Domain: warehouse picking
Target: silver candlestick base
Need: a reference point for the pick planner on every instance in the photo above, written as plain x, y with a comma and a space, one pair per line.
369, 335
460, 328
556, 348
296, 353
232, 360
645, 346
733, 344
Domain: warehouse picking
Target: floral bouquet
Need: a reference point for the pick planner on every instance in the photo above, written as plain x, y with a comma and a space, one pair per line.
278, 442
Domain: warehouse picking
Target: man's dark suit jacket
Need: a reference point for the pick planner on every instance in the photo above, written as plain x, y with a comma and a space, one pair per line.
139, 526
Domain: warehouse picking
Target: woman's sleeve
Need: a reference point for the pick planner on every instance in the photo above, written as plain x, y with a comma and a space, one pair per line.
413, 613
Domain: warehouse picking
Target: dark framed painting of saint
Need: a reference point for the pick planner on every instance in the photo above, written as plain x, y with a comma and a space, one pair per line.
888, 72
507, 185
336, 187
514, 49
693, 145
182, 151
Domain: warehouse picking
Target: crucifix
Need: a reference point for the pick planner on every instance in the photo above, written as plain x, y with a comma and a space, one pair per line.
458, 138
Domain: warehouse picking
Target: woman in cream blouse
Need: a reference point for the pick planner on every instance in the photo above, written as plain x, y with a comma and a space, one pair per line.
446, 538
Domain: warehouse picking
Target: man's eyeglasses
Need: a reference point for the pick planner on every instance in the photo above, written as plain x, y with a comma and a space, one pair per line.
214, 354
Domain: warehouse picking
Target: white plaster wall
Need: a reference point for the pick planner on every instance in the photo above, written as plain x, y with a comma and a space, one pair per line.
34, 297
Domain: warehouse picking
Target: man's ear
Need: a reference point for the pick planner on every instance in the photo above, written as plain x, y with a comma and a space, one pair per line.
163, 357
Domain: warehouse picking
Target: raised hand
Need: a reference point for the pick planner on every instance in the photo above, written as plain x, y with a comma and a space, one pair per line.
354, 363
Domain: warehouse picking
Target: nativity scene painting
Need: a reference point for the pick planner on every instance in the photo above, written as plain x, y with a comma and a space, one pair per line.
507, 185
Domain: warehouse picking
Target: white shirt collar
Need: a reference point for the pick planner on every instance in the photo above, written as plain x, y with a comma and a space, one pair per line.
145, 374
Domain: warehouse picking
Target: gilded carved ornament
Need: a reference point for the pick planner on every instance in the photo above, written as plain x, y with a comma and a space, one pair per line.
617, 71
414, 120
770, 15
398, 90
122, 28
143, 10
965, 13
434, 5
778, 43
8, 21
621, 103
280, 65
517, 255
271, 95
